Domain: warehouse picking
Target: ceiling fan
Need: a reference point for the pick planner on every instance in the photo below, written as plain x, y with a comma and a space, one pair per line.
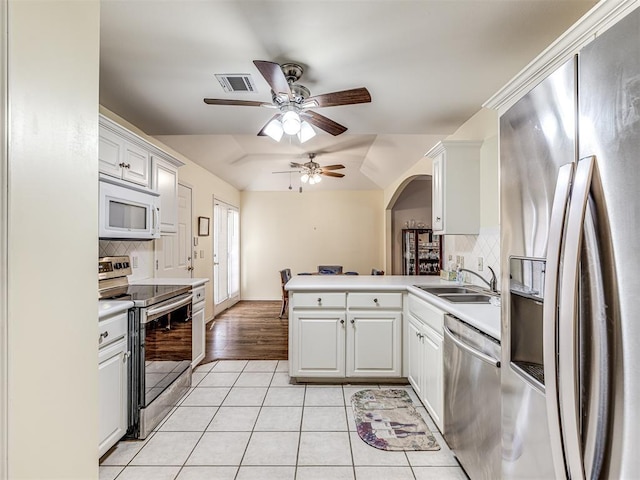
311, 170
294, 102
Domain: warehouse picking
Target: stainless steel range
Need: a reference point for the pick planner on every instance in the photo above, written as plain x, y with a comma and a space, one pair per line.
159, 341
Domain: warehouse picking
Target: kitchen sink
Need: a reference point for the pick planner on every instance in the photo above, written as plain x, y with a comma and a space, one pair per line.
445, 290
466, 298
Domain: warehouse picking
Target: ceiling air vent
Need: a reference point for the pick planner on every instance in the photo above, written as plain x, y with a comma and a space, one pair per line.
236, 82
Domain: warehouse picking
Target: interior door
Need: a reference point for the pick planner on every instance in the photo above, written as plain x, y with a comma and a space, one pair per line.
173, 252
226, 255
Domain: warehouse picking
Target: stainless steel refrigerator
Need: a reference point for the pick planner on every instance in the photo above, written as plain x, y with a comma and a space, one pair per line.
570, 246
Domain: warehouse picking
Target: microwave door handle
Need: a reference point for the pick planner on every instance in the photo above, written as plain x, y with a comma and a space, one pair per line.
568, 316
550, 314
156, 218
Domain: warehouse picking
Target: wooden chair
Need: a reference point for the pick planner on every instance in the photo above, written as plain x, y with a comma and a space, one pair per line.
377, 272
351, 273
329, 269
285, 276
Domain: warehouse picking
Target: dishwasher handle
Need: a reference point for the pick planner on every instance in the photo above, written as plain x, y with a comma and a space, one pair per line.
485, 358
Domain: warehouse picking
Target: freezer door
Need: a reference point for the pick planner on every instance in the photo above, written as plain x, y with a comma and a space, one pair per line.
537, 137
609, 103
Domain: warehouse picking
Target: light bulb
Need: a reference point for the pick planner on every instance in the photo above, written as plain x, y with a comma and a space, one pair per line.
306, 132
312, 180
317, 177
274, 129
304, 178
291, 122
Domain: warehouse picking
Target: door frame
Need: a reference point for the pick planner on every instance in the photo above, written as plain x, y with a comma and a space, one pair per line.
230, 301
4, 255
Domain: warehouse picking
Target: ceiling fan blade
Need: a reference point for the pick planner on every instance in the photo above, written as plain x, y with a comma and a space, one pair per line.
272, 73
333, 174
243, 103
261, 132
296, 165
324, 123
333, 167
345, 97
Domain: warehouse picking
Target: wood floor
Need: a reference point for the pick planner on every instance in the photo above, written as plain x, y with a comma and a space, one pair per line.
248, 331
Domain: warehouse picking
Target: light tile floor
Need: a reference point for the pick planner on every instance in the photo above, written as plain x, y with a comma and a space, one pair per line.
242, 420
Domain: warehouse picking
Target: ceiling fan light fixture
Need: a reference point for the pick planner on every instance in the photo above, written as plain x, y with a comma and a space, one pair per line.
312, 180
304, 178
291, 122
317, 178
306, 132
274, 129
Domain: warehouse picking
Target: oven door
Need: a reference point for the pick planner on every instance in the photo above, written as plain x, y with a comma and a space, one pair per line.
165, 349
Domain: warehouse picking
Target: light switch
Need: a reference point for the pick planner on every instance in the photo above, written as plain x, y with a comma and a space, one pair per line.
201, 253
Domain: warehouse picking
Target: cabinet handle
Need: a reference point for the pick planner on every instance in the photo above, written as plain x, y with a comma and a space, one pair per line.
375, 300
125, 356
319, 300
418, 334
103, 336
128, 165
437, 219
189, 268
353, 321
342, 322
122, 165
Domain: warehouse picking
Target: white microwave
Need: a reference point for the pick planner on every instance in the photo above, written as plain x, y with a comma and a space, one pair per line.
128, 212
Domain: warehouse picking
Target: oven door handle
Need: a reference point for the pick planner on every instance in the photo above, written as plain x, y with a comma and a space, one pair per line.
153, 313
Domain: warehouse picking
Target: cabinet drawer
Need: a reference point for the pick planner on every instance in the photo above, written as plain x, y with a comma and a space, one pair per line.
198, 294
426, 313
111, 329
375, 300
319, 300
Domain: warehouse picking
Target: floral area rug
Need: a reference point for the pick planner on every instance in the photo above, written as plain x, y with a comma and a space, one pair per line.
386, 419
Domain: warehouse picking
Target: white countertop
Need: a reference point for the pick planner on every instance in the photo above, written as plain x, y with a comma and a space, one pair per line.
194, 282
484, 317
107, 308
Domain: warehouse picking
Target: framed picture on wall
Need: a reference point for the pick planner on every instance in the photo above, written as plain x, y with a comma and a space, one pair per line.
203, 226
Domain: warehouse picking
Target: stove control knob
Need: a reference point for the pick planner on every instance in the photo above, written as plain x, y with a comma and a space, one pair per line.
125, 265
118, 266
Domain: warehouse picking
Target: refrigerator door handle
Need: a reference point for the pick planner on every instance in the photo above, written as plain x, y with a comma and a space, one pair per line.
550, 315
568, 361
595, 432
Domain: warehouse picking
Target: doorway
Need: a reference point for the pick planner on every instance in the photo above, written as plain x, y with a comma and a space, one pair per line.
226, 256
173, 252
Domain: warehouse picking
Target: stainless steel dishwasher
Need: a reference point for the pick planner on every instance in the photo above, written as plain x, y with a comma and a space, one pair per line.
472, 398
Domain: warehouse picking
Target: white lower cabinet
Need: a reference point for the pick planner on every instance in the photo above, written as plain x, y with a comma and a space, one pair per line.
373, 344
425, 367
112, 382
338, 335
317, 347
198, 334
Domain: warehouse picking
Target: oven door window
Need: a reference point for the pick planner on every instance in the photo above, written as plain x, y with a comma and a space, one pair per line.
167, 351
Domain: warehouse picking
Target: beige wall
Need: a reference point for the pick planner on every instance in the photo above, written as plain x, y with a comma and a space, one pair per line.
302, 230
205, 185
53, 64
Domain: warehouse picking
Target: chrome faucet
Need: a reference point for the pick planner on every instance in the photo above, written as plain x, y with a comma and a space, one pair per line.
493, 283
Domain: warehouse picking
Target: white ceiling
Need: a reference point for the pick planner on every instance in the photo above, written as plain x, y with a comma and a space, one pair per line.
429, 66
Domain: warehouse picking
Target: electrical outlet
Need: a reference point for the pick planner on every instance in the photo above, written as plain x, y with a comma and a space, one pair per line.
134, 262
458, 260
201, 254
480, 264
461, 261
450, 257
195, 254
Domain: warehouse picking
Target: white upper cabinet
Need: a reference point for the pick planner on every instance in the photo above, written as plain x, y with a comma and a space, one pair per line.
165, 182
456, 187
122, 159
123, 154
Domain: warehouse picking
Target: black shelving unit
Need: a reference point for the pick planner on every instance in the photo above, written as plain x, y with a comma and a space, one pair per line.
421, 252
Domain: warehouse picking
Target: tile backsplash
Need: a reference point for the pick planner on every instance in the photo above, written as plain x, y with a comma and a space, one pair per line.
140, 253
470, 247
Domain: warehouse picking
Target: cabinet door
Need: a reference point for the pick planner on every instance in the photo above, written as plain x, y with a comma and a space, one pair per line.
197, 335
137, 165
415, 356
373, 344
437, 189
110, 153
317, 344
433, 376
165, 182
112, 399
